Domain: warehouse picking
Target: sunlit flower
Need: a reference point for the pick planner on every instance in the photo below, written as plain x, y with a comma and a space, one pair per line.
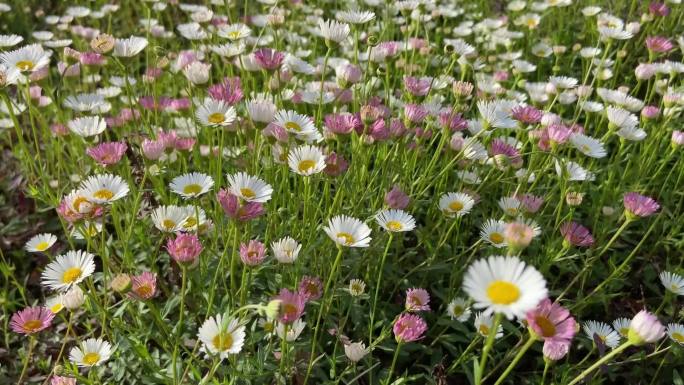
215, 113
91, 352
645, 328
306, 160
68, 269
104, 188
602, 331
31, 320
551, 322
249, 188
191, 185
484, 323
291, 305
40, 243
672, 282
409, 327
129, 47
169, 219
456, 204
221, 335
143, 286
637, 205
30, 58
417, 299
459, 309
395, 220
348, 231
87, 126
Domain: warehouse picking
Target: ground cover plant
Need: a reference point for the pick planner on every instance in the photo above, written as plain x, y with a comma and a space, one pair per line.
342, 192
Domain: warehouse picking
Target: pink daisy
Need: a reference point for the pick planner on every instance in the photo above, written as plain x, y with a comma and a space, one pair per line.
409, 327
31, 320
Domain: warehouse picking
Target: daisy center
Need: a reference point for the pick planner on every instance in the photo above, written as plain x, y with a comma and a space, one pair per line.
548, 329
216, 118
91, 358
356, 288
346, 238
306, 165
496, 238
42, 246
168, 224
144, 291
33, 325
624, 331
531, 23
103, 194
56, 308
455, 206
289, 310
293, 126
71, 275
394, 225
503, 293
679, 337
483, 329
25, 65
80, 201
190, 222
223, 341
192, 189
457, 310
247, 193
234, 35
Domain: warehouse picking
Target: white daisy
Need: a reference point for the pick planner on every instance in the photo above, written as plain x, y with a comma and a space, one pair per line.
588, 146
621, 325
355, 351
29, 58
294, 330
672, 282
497, 113
456, 204
87, 126
129, 47
483, 324
294, 123
234, 31
356, 287
333, 30
286, 250
7, 41
619, 117
222, 335
191, 185
603, 331
77, 202
297, 65
395, 220
306, 160
40, 243
348, 231
68, 269
676, 332
169, 219
249, 188
91, 352
197, 72
215, 113
563, 82
355, 16
104, 188
55, 303
634, 134
573, 171
459, 310
492, 232
510, 206
504, 285
261, 110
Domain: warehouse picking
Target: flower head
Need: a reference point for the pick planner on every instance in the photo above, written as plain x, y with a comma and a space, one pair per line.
185, 248
222, 336
107, 154
291, 306
286, 250
31, 320
355, 351
417, 300
143, 286
396, 198
68, 269
637, 205
348, 231
674, 283
311, 288
252, 253
551, 322
91, 352
645, 328
40, 243
237, 210
409, 327
576, 235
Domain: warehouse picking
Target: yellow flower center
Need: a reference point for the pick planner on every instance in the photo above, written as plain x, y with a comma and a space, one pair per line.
356, 288
289, 310
346, 238
394, 226
503, 293
548, 329
190, 222
234, 35
192, 189
168, 224
679, 337
268, 327
455, 206
80, 201
71, 275
247, 193
496, 238
144, 291
25, 65
33, 325
91, 358
512, 211
306, 165
293, 126
216, 118
457, 310
586, 148
483, 329
223, 341
103, 194
624, 331
56, 308
42, 246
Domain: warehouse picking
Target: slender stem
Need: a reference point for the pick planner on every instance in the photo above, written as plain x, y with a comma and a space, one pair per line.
377, 288
600, 362
179, 331
516, 359
547, 363
464, 354
32, 344
488, 346
394, 363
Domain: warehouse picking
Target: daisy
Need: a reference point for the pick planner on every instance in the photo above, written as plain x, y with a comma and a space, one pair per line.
355, 16
417, 299
645, 328
286, 250
197, 72
222, 335
551, 322
233, 31
492, 232
602, 331
40, 243
356, 287
87, 126
348, 231
91, 352
395, 220
459, 310
456, 204
215, 113
483, 324
306, 160
68, 269
621, 325
249, 188
10, 40
588, 146
573, 171
55, 303
333, 31
169, 219
104, 188
31, 320
620, 118
634, 134
676, 333
143, 286
409, 327
129, 47
294, 123
261, 110
504, 285
191, 185
672, 282
294, 330
355, 351
497, 113
510, 206
29, 58
563, 82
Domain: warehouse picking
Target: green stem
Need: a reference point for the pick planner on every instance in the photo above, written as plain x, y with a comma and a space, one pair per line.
179, 331
488, 346
516, 359
394, 363
377, 288
600, 362
32, 344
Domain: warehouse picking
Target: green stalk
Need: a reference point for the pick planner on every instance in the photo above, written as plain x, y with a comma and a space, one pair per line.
516, 359
600, 362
